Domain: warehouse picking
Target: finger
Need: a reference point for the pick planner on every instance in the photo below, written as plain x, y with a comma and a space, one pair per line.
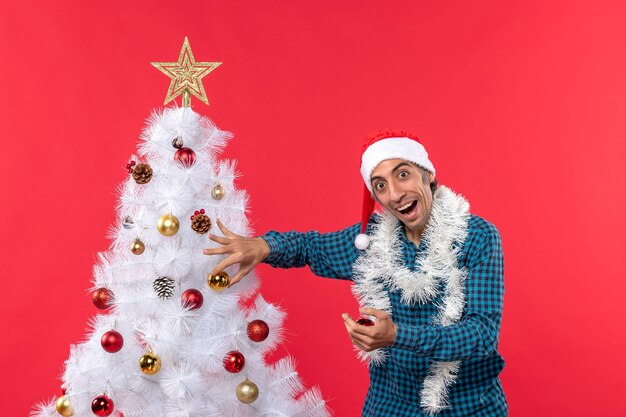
219, 239
240, 274
358, 345
348, 320
363, 330
224, 263
220, 250
361, 338
225, 230
355, 327
345, 323
361, 343
379, 314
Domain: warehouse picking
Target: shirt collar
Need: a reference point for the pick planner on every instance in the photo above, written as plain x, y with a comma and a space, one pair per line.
406, 242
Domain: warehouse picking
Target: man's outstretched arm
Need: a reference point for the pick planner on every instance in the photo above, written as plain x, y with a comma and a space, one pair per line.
328, 254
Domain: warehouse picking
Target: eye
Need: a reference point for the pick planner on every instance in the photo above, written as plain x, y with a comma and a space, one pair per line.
403, 174
379, 185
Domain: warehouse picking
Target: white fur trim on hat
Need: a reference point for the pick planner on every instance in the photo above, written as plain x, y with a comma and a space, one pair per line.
392, 148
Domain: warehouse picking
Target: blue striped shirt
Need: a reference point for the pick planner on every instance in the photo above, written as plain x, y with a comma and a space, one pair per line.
396, 384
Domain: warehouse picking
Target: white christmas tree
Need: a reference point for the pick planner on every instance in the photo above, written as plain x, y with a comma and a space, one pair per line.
173, 340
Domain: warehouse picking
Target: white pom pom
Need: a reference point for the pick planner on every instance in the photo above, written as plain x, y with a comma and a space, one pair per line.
362, 241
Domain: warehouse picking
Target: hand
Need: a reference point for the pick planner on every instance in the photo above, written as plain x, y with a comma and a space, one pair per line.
245, 251
368, 338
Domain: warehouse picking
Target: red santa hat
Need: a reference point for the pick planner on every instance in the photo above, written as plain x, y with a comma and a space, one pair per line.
378, 147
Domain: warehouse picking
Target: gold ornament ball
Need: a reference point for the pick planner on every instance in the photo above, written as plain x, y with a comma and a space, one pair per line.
168, 225
150, 363
64, 406
219, 281
247, 392
218, 192
137, 247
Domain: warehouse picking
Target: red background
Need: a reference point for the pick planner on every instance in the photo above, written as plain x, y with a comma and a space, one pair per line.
520, 104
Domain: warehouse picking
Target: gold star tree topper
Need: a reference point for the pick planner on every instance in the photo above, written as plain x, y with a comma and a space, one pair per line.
186, 75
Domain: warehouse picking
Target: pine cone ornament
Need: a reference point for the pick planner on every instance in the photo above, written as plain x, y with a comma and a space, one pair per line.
142, 173
200, 222
164, 287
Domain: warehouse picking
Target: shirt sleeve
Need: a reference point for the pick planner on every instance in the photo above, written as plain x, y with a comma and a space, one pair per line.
476, 334
328, 255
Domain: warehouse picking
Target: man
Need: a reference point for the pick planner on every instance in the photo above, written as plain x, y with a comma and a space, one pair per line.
427, 271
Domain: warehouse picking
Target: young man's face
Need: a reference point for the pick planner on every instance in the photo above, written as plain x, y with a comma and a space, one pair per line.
400, 187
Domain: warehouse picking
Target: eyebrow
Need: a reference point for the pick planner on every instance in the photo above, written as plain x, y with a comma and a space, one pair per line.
397, 167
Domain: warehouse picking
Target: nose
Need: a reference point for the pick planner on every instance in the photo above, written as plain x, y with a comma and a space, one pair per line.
395, 192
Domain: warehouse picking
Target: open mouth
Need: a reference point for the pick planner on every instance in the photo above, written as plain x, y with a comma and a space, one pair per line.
408, 209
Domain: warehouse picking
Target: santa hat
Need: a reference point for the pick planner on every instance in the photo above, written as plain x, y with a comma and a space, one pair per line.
378, 147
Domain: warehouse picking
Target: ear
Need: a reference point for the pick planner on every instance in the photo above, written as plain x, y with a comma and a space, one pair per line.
431, 177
